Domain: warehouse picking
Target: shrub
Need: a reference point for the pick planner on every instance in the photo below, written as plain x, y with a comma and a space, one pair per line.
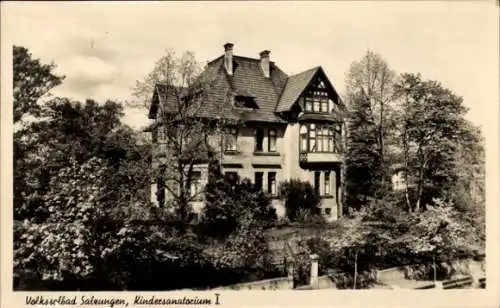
364, 280
298, 196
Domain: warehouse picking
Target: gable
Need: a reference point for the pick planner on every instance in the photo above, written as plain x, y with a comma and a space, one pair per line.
298, 84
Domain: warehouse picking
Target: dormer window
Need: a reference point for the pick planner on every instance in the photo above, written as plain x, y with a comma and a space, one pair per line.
241, 101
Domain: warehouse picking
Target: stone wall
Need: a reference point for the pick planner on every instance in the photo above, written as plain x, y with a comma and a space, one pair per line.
282, 283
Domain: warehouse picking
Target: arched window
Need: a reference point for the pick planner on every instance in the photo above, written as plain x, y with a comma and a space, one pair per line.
312, 138
303, 138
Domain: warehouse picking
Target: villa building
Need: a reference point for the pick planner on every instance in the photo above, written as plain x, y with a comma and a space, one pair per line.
289, 127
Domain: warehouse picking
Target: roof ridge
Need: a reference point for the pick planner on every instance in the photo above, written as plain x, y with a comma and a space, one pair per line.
238, 56
307, 71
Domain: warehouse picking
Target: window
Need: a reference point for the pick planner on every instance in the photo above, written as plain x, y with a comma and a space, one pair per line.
154, 135
271, 183
317, 182
320, 138
161, 135
328, 211
231, 139
303, 138
316, 100
327, 184
312, 138
245, 102
194, 217
160, 191
272, 138
259, 140
309, 104
258, 180
232, 177
338, 138
331, 140
316, 106
195, 184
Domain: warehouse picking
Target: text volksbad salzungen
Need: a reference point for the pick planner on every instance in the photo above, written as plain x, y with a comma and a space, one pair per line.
138, 300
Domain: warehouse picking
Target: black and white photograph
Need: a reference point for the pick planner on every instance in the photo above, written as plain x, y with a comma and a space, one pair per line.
218, 146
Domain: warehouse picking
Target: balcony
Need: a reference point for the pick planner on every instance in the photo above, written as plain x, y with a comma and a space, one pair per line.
321, 157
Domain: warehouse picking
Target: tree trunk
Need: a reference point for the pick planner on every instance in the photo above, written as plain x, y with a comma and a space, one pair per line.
434, 267
355, 269
420, 179
406, 158
381, 143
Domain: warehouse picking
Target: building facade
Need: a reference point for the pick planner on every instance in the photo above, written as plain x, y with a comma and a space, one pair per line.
289, 127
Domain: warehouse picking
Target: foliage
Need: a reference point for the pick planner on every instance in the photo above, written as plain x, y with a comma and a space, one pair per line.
72, 130
370, 128
228, 200
172, 70
432, 127
31, 81
363, 174
442, 232
298, 195
64, 245
345, 280
182, 138
245, 248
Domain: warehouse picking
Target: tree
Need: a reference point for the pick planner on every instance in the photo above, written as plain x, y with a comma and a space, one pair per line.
370, 127
64, 245
298, 196
468, 192
442, 232
72, 130
184, 136
31, 81
363, 161
432, 126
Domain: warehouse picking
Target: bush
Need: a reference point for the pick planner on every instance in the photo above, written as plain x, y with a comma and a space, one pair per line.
227, 201
364, 280
298, 196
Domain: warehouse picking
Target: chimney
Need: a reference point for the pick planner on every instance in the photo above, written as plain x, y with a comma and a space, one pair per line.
314, 271
264, 63
228, 58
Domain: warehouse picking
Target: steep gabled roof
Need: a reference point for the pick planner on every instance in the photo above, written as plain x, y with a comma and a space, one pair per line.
294, 87
248, 80
272, 95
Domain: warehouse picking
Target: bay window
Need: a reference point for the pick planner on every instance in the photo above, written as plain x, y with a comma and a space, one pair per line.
320, 138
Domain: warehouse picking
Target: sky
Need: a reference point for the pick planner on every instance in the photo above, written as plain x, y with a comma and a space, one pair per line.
103, 48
